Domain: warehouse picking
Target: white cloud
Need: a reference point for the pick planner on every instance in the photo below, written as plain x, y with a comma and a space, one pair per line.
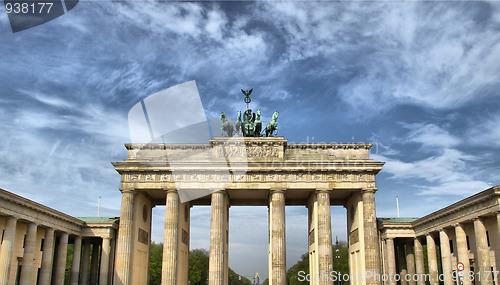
46, 99
430, 135
449, 172
485, 132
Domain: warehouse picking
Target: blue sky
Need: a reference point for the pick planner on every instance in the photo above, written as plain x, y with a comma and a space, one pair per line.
420, 80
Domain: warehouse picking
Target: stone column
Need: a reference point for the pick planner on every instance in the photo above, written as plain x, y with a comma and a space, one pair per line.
94, 263
463, 251
402, 264
29, 255
47, 257
391, 260
419, 261
444, 241
75, 265
124, 246
62, 251
170, 239
432, 260
84, 280
410, 262
324, 236
498, 223
483, 253
104, 271
7, 249
277, 236
111, 259
217, 240
372, 251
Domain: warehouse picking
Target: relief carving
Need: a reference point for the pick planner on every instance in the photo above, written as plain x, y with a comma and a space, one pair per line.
247, 151
301, 176
165, 177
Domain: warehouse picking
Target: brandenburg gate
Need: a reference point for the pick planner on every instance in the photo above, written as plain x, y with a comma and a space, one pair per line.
260, 171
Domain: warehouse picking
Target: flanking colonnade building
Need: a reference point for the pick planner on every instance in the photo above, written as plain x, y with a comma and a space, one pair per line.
463, 237
35, 239
243, 171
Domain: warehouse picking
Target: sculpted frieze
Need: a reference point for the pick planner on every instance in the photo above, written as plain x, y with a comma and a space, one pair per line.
284, 176
243, 151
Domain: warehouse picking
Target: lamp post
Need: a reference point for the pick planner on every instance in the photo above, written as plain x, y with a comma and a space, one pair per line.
337, 258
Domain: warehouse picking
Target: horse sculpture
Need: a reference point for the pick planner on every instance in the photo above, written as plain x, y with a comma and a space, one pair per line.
257, 125
272, 126
226, 126
238, 124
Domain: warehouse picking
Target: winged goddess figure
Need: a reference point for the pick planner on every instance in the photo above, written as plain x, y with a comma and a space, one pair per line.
247, 93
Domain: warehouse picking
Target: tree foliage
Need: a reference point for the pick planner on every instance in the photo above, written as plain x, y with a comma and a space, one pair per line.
340, 264
198, 266
234, 279
155, 260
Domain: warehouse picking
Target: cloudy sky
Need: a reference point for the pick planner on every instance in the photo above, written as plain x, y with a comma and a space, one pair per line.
419, 80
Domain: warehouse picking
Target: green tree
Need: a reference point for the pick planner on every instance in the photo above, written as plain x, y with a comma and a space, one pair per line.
69, 261
198, 266
155, 261
234, 279
293, 272
340, 264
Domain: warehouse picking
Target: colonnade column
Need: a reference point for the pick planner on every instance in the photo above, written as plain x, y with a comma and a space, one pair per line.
419, 261
124, 246
498, 223
75, 265
325, 250
410, 262
462, 251
94, 263
104, 271
7, 249
277, 244
391, 260
372, 251
432, 259
218, 240
402, 263
62, 252
85, 262
47, 257
444, 241
28, 255
483, 253
170, 239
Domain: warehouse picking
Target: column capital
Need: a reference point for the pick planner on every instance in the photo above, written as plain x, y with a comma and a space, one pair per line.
127, 190
13, 218
170, 190
272, 191
278, 187
368, 190
32, 223
324, 188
